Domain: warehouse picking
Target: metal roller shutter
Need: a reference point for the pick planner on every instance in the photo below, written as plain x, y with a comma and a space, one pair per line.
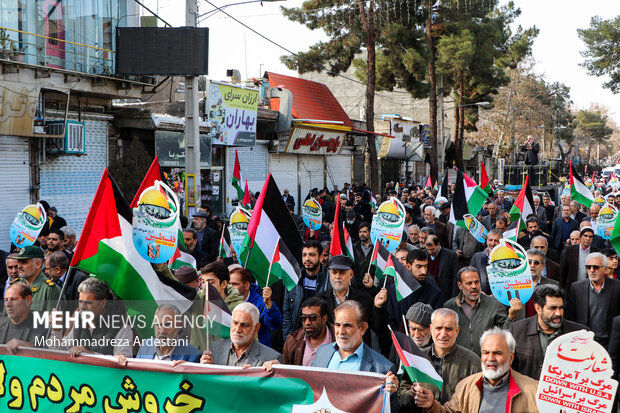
15, 172
69, 182
253, 161
283, 168
311, 174
338, 170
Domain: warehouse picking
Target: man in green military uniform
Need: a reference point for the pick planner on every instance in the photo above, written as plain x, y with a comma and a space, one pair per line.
44, 292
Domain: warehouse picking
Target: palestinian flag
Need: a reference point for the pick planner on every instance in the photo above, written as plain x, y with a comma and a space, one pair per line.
219, 318
348, 242
338, 244
247, 200
181, 258
578, 190
524, 204
485, 184
237, 181
429, 183
404, 282
418, 367
106, 250
512, 232
476, 196
225, 249
152, 175
373, 202
270, 220
284, 266
379, 258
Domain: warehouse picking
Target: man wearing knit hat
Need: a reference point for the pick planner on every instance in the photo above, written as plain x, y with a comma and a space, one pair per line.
451, 361
419, 320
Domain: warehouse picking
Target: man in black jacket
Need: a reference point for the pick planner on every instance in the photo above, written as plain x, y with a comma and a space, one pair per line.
208, 238
534, 334
531, 150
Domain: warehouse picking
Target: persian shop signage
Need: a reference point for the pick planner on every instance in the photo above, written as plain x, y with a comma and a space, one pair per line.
312, 141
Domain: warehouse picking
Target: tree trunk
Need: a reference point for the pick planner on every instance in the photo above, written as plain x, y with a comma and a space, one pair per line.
368, 24
432, 96
458, 139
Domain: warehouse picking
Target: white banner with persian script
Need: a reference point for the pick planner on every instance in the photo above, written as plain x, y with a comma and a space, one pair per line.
314, 141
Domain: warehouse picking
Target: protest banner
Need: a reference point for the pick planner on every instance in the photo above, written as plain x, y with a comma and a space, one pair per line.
47, 381
239, 220
606, 221
156, 223
388, 224
576, 376
509, 273
312, 214
27, 225
476, 229
232, 114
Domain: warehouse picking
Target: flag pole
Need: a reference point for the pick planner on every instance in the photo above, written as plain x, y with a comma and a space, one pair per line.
373, 254
206, 311
271, 261
222, 240
406, 326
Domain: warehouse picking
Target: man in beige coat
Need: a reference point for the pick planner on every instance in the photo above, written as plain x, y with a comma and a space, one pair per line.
497, 389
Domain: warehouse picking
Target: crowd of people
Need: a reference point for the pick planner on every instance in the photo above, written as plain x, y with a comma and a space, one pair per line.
338, 314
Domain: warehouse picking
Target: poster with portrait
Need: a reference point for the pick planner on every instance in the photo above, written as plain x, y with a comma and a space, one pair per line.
312, 214
476, 229
238, 228
27, 225
388, 224
156, 223
576, 376
509, 273
600, 201
606, 221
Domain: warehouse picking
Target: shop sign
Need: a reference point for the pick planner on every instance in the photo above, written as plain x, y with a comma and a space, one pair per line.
170, 148
311, 141
232, 114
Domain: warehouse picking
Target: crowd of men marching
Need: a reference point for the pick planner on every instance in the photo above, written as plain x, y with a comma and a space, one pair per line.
337, 316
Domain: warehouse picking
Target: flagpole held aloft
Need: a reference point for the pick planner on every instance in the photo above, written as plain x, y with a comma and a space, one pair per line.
271, 261
206, 311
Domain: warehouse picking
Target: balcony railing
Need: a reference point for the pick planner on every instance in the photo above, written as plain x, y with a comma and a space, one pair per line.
41, 50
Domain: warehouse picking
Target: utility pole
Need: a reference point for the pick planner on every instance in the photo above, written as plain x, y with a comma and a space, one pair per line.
192, 114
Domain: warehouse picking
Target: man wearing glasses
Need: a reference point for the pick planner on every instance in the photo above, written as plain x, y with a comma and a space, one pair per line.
594, 301
537, 260
301, 345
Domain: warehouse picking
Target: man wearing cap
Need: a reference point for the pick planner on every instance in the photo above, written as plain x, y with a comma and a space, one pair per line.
340, 276
451, 361
573, 259
45, 293
444, 208
208, 238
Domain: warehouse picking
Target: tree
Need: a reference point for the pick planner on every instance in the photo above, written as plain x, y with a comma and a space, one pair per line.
602, 55
591, 127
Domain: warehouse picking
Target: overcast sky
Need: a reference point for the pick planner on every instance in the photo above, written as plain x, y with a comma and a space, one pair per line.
556, 50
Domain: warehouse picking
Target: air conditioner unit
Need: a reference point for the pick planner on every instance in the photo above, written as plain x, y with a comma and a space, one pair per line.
73, 141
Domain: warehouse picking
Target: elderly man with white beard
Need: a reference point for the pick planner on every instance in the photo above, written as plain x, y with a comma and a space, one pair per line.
498, 388
241, 349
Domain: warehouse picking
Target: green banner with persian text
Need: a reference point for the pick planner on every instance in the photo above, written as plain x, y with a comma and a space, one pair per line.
47, 381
